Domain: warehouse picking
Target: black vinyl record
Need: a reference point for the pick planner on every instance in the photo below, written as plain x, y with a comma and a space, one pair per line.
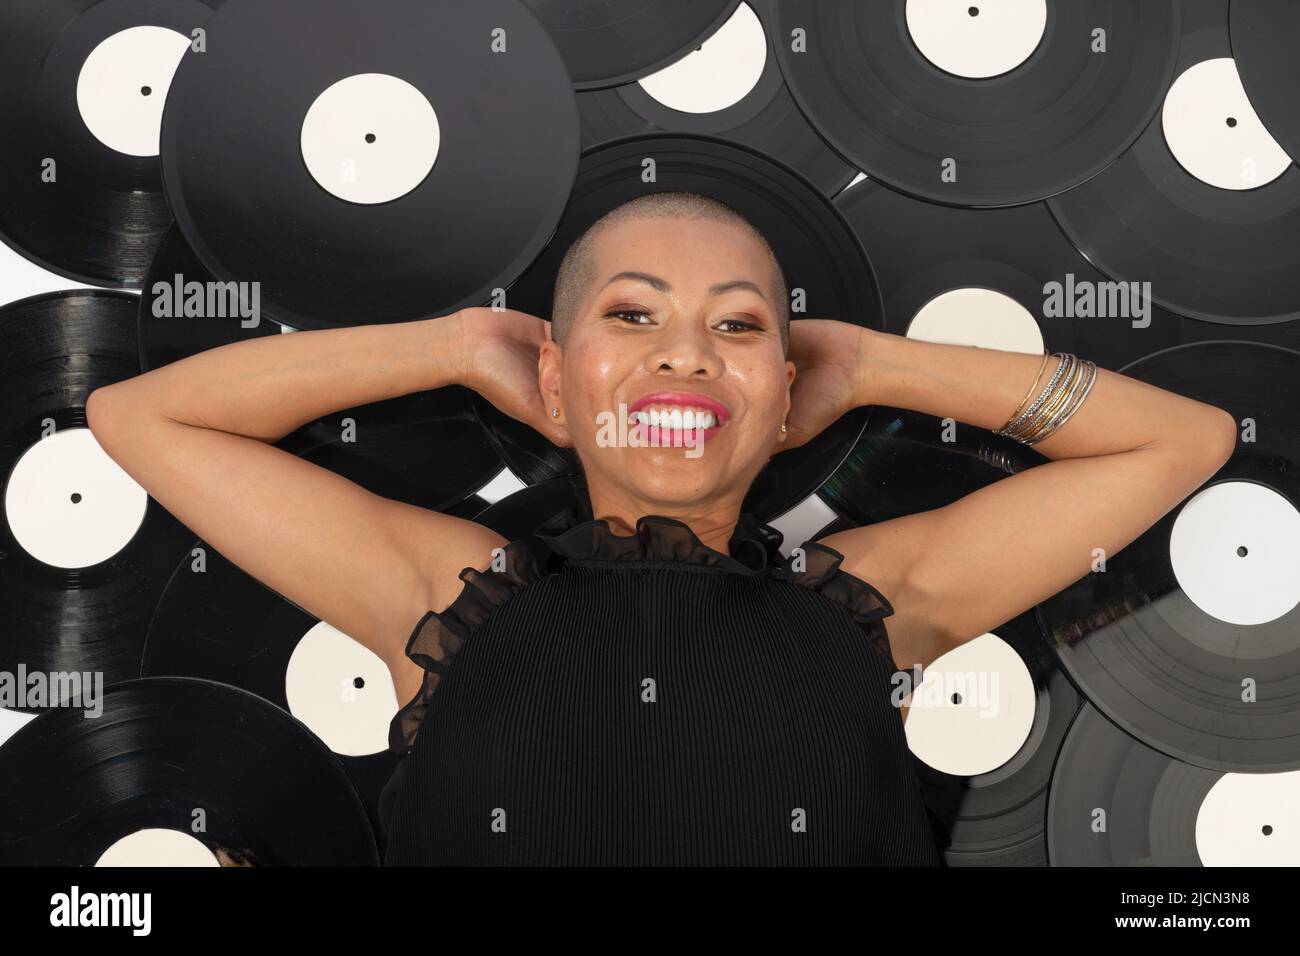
1116, 802
907, 462
815, 247
406, 162
1218, 253
764, 118
1263, 34
1064, 102
167, 754
78, 580
83, 183
1205, 665
425, 448
608, 42
998, 817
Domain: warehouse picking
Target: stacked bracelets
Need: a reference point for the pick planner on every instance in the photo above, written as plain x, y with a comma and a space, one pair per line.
1058, 400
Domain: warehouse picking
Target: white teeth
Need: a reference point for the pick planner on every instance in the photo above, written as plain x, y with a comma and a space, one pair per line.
674, 419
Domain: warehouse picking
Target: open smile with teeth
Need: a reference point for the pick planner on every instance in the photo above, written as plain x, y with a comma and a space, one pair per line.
674, 417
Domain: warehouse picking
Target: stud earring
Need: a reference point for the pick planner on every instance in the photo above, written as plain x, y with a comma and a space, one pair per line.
783, 428
555, 413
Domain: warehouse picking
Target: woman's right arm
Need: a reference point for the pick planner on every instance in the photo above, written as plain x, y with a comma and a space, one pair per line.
197, 433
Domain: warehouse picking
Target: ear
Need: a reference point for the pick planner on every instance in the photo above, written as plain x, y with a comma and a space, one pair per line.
550, 373
791, 371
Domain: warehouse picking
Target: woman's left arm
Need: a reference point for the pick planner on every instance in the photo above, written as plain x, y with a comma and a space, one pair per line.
1127, 456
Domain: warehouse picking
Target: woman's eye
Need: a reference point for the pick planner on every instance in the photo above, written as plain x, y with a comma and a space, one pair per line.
622, 312
741, 325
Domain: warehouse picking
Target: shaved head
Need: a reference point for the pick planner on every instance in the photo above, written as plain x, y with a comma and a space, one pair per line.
578, 269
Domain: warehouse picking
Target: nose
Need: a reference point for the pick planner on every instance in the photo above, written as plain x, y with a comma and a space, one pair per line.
685, 347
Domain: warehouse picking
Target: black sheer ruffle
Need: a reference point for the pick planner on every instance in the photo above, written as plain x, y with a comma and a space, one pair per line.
754, 549
822, 572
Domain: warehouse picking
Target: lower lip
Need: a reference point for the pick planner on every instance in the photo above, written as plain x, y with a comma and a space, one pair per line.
672, 437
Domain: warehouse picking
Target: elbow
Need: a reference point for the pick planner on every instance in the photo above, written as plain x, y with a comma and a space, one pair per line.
102, 410
1221, 436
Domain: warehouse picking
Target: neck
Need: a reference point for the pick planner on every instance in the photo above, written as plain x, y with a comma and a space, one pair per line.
713, 521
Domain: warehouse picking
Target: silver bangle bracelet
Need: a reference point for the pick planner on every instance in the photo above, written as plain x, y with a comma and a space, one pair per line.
1010, 428
1073, 405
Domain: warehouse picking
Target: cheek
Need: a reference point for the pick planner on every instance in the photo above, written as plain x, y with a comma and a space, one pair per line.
764, 391
591, 377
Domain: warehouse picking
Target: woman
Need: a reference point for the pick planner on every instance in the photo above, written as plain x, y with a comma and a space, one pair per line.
653, 683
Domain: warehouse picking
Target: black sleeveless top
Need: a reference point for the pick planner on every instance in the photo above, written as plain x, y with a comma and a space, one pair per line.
604, 699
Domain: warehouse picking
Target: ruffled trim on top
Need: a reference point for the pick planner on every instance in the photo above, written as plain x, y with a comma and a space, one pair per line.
439, 635
753, 547
822, 572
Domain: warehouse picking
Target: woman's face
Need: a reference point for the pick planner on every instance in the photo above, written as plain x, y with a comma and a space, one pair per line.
701, 332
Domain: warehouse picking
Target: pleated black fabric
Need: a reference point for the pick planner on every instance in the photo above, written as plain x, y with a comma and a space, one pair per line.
605, 699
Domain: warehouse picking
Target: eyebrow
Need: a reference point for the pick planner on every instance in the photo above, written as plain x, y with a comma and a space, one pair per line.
662, 286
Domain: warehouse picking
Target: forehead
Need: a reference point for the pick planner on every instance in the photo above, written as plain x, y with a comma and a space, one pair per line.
676, 244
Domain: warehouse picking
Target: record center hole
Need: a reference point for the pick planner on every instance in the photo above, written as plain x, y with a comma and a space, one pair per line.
974, 11
146, 90
358, 682
1268, 830
370, 137
76, 497
1241, 551
1232, 121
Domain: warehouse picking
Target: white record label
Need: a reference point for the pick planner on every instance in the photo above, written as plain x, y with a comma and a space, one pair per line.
370, 138
982, 317
976, 39
1214, 133
720, 73
1235, 551
342, 691
123, 85
974, 709
69, 504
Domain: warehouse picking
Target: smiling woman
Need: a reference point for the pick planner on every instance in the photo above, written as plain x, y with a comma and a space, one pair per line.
650, 681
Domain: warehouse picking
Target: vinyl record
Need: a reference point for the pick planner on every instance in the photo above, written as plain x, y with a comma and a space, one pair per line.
425, 448
1010, 279
1263, 34
978, 104
985, 726
1116, 802
816, 249
730, 87
607, 42
907, 462
129, 786
82, 86
409, 160
1206, 204
1189, 640
84, 551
